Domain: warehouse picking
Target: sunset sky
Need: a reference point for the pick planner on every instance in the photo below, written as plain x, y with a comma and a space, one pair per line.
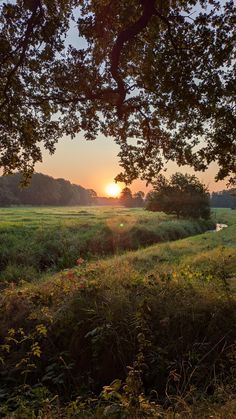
94, 164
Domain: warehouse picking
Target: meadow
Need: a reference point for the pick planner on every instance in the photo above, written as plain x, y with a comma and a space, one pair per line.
44, 239
141, 333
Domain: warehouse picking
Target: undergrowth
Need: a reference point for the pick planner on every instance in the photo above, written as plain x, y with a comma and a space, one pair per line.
97, 342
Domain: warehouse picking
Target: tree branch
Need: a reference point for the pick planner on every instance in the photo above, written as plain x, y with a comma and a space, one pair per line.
124, 36
167, 22
33, 20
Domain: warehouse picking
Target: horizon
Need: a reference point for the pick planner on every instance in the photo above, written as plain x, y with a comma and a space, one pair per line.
105, 194
94, 165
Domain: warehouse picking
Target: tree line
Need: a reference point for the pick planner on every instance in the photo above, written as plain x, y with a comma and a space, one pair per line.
182, 195
224, 199
43, 190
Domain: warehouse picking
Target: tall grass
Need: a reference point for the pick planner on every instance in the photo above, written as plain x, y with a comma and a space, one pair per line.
35, 241
158, 323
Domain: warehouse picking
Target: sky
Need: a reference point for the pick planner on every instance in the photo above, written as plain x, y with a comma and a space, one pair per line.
94, 164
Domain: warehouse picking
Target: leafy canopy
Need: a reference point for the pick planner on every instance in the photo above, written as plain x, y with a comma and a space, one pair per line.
182, 195
157, 76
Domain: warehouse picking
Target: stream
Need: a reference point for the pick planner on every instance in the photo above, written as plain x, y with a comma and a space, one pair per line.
220, 227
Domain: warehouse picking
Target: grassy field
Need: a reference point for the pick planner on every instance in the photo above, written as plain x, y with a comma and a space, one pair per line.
146, 333
36, 240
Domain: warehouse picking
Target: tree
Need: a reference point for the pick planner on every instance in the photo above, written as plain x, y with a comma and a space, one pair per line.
43, 190
138, 199
224, 199
92, 197
6, 196
183, 195
129, 200
160, 73
126, 197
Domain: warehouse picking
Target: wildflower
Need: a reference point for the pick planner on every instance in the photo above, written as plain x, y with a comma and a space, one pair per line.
70, 275
80, 261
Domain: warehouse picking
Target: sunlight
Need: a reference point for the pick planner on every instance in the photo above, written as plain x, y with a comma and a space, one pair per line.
113, 190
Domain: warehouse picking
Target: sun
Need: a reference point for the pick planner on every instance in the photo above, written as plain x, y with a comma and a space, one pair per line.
113, 190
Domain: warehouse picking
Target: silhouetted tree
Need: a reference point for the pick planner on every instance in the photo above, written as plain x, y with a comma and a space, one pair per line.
183, 195
92, 197
126, 197
130, 200
159, 72
138, 199
6, 196
43, 190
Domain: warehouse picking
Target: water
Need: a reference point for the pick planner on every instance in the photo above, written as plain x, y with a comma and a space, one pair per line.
220, 227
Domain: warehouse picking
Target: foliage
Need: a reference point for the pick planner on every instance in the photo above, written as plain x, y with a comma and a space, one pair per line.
43, 190
183, 195
161, 73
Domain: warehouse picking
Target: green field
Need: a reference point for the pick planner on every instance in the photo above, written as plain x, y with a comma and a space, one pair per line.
37, 240
157, 322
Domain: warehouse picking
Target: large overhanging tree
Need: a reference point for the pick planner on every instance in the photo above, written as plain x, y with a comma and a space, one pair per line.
156, 75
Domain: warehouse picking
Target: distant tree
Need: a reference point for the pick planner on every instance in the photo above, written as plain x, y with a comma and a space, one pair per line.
6, 196
224, 199
126, 197
66, 193
43, 190
138, 199
183, 195
130, 200
92, 197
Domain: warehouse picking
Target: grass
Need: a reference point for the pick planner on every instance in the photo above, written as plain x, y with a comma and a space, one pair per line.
224, 216
158, 323
38, 240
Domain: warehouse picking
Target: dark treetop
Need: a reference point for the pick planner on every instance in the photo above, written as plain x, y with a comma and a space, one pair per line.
158, 76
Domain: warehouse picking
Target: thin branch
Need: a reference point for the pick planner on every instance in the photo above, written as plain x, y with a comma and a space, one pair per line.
167, 22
